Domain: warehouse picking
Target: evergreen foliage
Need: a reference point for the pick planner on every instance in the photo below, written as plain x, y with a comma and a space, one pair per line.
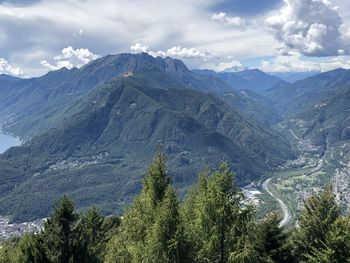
274, 240
151, 228
67, 237
315, 222
59, 232
210, 225
218, 224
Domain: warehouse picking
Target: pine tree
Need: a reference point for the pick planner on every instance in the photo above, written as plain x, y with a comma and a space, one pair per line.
157, 181
274, 239
91, 237
338, 240
336, 248
246, 246
215, 223
165, 241
212, 225
32, 250
146, 230
58, 234
191, 215
9, 252
316, 219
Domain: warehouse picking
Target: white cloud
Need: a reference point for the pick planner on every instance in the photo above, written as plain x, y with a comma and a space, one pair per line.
233, 66
193, 58
223, 63
296, 63
110, 27
70, 58
139, 48
7, 68
311, 27
175, 52
229, 21
183, 52
35, 32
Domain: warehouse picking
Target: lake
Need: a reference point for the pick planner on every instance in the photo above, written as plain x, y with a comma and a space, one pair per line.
7, 141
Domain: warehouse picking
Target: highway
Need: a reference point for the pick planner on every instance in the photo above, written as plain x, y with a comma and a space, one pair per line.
286, 213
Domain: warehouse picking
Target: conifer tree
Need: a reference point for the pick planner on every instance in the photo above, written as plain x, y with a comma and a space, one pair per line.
317, 217
147, 231
32, 250
246, 245
165, 241
274, 239
338, 240
215, 223
211, 225
336, 248
9, 252
58, 234
91, 237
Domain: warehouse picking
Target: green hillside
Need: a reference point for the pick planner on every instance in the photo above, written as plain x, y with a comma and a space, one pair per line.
91, 154
31, 106
316, 108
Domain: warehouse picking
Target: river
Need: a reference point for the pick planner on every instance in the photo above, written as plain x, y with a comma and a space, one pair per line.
7, 141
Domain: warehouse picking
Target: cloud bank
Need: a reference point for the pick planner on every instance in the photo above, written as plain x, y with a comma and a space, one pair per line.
175, 52
297, 63
7, 68
70, 58
111, 26
311, 27
236, 21
206, 59
32, 35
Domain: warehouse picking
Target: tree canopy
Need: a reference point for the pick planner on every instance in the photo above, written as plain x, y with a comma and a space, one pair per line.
211, 224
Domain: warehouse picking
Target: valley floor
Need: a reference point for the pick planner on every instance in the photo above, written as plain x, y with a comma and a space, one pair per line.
290, 185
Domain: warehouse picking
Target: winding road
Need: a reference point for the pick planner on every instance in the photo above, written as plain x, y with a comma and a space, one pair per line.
286, 214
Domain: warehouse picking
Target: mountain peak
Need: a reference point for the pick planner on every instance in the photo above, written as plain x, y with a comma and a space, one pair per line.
126, 62
254, 71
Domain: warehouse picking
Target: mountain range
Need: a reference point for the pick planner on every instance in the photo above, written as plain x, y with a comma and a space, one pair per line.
294, 76
250, 79
90, 132
316, 108
29, 106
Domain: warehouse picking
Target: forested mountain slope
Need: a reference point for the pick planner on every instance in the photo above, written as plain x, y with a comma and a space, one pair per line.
98, 151
317, 108
31, 106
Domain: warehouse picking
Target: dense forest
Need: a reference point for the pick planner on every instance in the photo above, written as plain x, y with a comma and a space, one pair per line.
210, 225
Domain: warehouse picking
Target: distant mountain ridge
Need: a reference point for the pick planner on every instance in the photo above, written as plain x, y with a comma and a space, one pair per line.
33, 105
317, 108
92, 131
101, 147
251, 79
294, 76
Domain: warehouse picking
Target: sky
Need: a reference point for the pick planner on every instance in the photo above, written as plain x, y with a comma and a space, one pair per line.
37, 36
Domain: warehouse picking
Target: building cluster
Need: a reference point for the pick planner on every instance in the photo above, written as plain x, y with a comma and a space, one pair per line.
77, 162
9, 230
341, 186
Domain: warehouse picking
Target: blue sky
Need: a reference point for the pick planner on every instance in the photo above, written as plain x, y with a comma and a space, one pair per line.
274, 35
246, 7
